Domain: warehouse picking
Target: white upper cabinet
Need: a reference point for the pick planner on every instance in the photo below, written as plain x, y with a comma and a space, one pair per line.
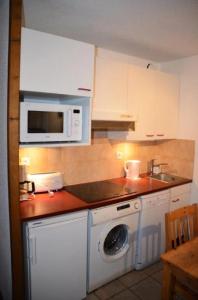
141, 97
54, 64
124, 92
154, 96
110, 91
167, 94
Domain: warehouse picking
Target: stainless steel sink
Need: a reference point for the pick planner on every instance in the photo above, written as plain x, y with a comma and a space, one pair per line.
164, 177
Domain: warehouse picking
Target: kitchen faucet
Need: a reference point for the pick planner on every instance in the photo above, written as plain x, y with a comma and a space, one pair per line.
152, 165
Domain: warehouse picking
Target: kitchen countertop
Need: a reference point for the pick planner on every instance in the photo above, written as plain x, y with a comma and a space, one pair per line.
63, 202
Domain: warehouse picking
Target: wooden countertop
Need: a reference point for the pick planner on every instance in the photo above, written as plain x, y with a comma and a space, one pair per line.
63, 202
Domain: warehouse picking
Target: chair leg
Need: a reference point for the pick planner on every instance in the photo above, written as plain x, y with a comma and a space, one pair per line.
168, 283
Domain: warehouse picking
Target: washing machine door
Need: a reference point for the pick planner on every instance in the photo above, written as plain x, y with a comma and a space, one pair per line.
114, 241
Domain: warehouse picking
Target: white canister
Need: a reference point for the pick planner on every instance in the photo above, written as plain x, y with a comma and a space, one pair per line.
22, 172
132, 169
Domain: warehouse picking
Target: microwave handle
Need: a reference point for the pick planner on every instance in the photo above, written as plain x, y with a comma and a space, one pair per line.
69, 122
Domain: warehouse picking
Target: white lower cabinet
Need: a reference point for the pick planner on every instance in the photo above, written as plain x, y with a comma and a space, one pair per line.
180, 196
56, 257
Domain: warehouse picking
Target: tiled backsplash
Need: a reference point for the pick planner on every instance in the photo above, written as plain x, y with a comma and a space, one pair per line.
99, 162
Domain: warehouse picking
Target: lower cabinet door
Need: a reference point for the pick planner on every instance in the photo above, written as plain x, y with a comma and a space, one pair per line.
180, 196
57, 261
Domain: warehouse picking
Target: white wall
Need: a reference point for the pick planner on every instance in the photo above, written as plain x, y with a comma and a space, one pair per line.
5, 253
187, 69
134, 60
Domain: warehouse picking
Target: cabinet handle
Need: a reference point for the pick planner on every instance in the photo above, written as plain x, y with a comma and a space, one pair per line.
149, 135
84, 89
32, 249
160, 134
176, 200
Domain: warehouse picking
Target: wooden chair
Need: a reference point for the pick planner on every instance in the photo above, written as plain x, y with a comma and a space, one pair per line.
181, 225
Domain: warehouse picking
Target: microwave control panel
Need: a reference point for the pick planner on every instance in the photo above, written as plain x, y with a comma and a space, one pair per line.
74, 129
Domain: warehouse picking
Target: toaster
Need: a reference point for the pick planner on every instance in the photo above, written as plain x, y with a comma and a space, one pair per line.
45, 182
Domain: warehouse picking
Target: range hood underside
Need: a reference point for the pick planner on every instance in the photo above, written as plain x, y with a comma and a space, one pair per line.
112, 125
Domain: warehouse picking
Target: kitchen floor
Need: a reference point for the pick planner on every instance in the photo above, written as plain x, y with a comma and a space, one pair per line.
135, 285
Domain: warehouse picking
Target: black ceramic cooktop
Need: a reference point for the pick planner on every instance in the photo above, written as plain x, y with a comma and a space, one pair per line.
99, 190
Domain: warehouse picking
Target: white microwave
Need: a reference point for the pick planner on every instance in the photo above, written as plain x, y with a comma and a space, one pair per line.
47, 122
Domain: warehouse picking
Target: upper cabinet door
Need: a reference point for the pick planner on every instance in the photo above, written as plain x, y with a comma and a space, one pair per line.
53, 64
110, 92
141, 98
167, 97
154, 96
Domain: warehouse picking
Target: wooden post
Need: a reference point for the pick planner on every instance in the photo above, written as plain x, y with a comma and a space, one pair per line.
13, 148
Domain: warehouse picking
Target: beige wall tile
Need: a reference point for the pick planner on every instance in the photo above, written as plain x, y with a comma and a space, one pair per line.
42, 159
98, 161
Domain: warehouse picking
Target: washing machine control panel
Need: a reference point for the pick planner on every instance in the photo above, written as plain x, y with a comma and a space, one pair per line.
102, 214
136, 205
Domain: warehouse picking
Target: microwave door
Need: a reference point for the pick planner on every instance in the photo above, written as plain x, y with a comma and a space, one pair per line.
41, 122
45, 125
45, 122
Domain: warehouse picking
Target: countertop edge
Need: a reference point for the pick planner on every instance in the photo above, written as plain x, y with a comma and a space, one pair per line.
82, 205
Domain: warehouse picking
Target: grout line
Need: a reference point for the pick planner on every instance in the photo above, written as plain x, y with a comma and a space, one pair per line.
128, 287
116, 294
96, 296
158, 270
156, 280
135, 294
141, 281
124, 288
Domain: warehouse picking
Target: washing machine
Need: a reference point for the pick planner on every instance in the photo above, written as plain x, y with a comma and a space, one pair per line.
112, 241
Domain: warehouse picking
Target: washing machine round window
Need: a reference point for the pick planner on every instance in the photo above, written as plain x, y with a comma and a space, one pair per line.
114, 241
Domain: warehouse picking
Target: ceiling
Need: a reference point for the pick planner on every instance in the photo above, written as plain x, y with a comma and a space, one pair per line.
159, 30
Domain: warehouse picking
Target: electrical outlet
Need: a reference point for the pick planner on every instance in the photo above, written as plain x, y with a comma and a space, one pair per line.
25, 160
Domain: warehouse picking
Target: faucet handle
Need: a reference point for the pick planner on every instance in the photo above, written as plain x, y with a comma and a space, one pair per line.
150, 166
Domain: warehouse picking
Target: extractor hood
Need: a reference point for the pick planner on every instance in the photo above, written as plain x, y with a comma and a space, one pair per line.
112, 125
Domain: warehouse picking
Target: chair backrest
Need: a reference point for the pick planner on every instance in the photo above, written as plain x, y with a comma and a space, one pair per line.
181, 225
